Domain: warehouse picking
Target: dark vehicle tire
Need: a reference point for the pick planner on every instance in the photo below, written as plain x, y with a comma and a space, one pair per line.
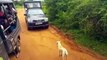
19, 37
25, 20
17, 49
18, 44
47, 27
28, 28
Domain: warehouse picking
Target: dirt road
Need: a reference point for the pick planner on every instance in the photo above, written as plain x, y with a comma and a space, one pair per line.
41, 45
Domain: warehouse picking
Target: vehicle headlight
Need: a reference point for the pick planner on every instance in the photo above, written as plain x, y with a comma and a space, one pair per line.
29, 20
46, 19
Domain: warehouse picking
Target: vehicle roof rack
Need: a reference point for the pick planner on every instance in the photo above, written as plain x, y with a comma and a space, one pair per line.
34, 0
6, 1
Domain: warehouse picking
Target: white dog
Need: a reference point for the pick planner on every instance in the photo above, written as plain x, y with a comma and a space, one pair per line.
62, 51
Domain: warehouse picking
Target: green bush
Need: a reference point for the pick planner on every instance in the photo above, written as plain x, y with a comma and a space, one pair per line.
19, 4
86, 16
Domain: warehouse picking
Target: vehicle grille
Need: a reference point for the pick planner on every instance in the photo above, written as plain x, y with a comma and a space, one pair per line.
38, 20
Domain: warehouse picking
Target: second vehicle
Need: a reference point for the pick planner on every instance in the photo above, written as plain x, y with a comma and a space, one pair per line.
35, 17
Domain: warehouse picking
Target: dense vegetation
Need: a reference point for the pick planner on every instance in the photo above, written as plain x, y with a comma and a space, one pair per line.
85, 20
19, 4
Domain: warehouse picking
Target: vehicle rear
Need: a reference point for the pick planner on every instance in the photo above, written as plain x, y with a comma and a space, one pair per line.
34, 16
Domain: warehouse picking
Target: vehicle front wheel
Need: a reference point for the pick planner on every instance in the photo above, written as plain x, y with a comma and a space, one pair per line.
17, 49
28, 28
47, 27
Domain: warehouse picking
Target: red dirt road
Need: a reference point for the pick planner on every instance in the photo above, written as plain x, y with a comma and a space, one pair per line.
41, 45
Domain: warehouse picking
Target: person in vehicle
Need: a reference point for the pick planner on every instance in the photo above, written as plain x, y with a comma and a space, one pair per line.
3, 21
12, 10
7, 20
2, 17
1, 13
12, 18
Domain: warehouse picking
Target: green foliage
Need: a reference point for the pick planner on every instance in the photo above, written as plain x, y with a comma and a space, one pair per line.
19, 4
89, 17
95, 45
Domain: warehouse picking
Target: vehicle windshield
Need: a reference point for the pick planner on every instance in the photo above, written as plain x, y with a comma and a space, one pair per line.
32, 5
33, 12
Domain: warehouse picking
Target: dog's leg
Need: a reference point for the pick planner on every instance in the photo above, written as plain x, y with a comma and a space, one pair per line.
63, 57
60, 53
66, 57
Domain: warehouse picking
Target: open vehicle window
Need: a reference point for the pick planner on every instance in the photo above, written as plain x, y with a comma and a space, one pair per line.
35, 12
7, 20
32, 5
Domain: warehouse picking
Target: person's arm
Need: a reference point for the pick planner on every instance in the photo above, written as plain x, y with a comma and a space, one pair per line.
14, 10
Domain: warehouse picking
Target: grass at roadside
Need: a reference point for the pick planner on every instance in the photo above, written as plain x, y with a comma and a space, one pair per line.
81, 39
95, 45
19, 6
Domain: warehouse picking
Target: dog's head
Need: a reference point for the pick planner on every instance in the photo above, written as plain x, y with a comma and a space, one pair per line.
58, 42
